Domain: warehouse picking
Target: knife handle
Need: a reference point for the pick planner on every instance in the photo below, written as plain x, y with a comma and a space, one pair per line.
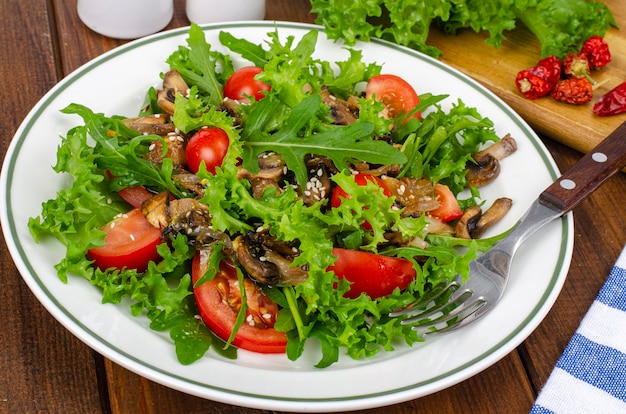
599, 164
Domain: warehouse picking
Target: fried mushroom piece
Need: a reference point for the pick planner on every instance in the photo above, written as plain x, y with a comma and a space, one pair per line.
270, 174
185, 215
415, 195
485, 166
319, 185
342, 112
474, 222
175, 150
173, 83
267, 260
157, 124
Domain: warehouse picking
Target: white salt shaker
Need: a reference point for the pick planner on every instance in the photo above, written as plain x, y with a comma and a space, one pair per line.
125, 19
212, 11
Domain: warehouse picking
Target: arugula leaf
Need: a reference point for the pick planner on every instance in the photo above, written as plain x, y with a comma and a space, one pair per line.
248, 50
121, 152
342, 144
197, 64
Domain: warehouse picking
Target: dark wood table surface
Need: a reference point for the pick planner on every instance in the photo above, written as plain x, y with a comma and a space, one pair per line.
45, 369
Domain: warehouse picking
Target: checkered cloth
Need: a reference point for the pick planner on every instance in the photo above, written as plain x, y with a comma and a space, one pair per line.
590, 376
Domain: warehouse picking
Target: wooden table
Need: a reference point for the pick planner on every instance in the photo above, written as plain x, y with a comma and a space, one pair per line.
46, 369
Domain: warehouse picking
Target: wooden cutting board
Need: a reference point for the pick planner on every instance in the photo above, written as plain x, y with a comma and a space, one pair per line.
573, 125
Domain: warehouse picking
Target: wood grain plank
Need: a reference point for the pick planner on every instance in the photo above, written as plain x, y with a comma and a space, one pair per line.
41, 362
134, 394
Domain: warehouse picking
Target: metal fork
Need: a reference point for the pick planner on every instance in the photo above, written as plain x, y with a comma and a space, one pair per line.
447, 307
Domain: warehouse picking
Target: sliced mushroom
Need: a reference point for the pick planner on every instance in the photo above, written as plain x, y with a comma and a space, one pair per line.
485, 166
258, 269
260, 256
501, 149
493, 214
175, 150
415, 195
155, 210
231, 106
467, 223
191, 182
271, 172
156, 124
173, 83
319, 185
474, 223
342, 112
483, 170
191, 217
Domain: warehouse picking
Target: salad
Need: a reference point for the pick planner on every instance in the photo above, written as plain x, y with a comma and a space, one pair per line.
267, 205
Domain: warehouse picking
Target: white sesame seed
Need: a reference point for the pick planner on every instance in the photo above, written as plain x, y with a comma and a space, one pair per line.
132, 237
152, 146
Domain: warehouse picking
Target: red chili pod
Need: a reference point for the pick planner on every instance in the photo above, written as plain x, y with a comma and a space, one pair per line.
539, 80
576, 91
613, 103
597, 51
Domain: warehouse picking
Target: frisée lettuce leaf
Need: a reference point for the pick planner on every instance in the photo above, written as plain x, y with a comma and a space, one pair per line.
560, 26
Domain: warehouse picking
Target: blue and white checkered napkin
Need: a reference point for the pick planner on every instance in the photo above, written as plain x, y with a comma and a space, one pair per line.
590, 376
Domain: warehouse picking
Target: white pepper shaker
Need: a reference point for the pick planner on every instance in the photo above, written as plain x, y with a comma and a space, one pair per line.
125, 19
212, 11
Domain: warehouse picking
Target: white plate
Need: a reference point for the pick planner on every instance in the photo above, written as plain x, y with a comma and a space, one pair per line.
115, 83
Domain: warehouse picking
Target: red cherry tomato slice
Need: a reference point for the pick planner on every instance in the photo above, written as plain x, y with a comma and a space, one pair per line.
396, 93
242, 84
449, 208
218, 301
209, 145
370, 273
130, 242
135, 195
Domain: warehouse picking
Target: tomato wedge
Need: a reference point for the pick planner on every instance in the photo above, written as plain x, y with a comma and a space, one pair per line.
449, 208
218, 302
135, 195
396, 93
370, 273
130, 242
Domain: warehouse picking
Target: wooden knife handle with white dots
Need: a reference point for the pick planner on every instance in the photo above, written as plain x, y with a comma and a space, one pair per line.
599, 164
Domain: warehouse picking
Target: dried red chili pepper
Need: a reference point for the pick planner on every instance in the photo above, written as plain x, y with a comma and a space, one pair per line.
613, 103
575, 91
597, 51
539, 80
577, 65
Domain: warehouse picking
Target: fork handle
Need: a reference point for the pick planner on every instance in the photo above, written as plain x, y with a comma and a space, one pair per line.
599, 164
